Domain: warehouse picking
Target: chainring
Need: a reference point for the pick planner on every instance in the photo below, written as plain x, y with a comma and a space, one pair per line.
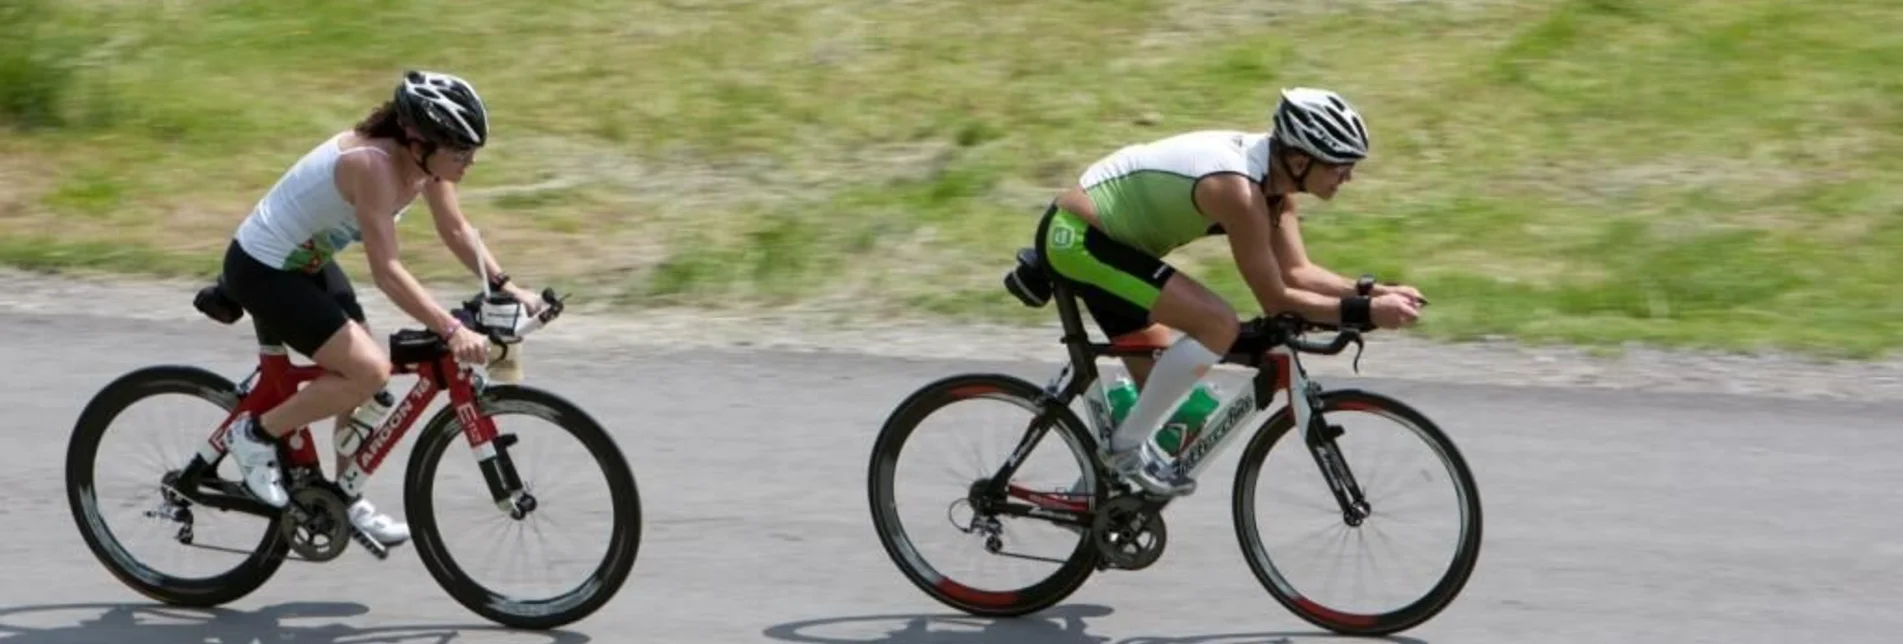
1130, 534
318, 526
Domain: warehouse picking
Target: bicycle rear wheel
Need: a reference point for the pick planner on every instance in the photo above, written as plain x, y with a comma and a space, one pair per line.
982, 513
264, 557
623, 522
1446, 571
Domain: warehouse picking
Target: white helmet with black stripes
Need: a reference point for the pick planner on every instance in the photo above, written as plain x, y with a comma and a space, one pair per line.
1322, 124
443, 108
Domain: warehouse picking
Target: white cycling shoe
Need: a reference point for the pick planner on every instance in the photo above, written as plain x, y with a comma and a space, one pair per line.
1147, 466
257, 461
387, 530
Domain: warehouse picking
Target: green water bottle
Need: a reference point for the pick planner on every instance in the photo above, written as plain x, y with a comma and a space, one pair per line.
1122, 395
1186, 423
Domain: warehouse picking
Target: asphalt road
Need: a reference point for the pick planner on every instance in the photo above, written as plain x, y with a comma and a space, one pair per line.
1611, 516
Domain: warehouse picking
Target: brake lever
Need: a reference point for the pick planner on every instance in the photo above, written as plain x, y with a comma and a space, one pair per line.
1356, 339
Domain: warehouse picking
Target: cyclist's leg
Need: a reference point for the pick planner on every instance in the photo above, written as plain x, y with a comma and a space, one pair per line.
383, 527
337, 285
1129, 293
298, 311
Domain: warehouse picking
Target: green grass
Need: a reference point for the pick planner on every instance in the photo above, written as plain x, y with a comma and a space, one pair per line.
1707, 173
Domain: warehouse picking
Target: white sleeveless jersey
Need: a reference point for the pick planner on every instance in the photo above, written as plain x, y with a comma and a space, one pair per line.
304, 221
1145, 192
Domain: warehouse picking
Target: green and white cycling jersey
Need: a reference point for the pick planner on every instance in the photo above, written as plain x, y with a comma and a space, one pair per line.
304, 221
1144, 193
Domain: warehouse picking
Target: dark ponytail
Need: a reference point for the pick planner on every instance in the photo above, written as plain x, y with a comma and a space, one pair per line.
382, 123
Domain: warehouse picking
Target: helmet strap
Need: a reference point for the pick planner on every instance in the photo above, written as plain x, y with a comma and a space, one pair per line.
429, 148
1300, 180
422, 162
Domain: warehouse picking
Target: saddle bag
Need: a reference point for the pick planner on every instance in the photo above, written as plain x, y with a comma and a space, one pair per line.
216, 304
1028, 281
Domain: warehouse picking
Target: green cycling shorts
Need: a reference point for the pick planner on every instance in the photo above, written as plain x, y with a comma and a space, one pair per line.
1117, 283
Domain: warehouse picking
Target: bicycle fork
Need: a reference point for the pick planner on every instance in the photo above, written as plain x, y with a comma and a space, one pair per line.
1319, 436
492, 458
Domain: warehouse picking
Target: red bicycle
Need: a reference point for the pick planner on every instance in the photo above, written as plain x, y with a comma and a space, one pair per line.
315, 524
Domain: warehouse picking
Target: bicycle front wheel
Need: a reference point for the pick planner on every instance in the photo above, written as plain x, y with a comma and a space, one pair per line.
1405, 483
484, 526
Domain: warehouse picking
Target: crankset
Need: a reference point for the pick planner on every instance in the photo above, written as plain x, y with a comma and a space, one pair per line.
319, 526
1130, 532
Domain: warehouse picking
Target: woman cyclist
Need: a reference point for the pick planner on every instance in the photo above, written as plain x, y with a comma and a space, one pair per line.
1106, 236
354, 187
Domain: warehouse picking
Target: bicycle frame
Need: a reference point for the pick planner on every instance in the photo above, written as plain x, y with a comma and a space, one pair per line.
276, 378
1276, 367
1078, 376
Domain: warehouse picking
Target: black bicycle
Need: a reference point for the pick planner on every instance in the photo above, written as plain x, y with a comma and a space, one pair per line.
1117, 525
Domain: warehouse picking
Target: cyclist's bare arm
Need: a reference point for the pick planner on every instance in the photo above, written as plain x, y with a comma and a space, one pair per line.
1235, 202
1292, 254
365, 180
454, 229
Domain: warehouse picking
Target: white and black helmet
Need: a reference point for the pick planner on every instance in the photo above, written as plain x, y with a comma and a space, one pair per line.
1322, 124
443, 108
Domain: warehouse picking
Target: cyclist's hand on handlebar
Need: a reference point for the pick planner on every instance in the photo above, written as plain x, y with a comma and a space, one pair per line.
1393, 310
531, 301
468, 346
1412, 293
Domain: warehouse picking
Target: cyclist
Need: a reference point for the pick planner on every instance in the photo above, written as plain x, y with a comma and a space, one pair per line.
1106, 236
354, 187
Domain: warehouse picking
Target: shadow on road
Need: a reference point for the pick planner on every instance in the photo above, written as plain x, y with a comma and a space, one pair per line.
1057, 625
1268, 638
1065, 624
161, 624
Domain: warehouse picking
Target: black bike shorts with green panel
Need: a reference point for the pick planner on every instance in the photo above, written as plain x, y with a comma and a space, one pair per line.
1118, 284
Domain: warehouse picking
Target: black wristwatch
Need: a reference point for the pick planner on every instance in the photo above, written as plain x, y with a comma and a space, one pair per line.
1365, 285
498, 280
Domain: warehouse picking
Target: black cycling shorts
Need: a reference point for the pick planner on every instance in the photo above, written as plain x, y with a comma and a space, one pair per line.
299, 310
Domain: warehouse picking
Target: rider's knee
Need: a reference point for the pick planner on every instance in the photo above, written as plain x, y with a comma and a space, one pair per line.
369, 372
1222, 330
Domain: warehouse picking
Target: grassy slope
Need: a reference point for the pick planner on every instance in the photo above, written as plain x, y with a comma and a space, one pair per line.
1706, 172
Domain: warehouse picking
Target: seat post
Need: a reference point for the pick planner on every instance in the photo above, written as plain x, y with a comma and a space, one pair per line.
1076, 339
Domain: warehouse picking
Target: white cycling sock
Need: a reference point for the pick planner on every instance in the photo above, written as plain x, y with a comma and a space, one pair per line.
1175, 372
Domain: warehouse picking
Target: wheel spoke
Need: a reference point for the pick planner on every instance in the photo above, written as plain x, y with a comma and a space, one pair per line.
123, 488
524, 550
1323, 597
912, 433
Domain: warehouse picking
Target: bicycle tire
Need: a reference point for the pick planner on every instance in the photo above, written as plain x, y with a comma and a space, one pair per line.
905, 418
81, 452
1437, 598
624, 545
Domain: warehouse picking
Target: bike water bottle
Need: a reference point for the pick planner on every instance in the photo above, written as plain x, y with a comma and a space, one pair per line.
1187, 421
505, 363
363, 421
1122, 396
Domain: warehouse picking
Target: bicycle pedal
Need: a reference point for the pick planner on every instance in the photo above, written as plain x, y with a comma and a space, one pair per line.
376, 548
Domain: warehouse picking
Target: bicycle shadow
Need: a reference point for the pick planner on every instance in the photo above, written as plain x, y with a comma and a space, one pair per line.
1066, 624
1287, 637
1057, 625
161, 624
